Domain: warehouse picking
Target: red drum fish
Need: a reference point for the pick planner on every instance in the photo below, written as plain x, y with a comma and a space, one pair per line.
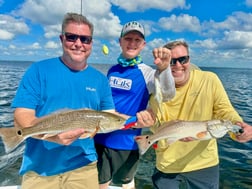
176, 130
92, 121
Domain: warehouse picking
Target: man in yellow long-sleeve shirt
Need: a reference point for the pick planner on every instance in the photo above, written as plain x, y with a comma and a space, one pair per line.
200, 96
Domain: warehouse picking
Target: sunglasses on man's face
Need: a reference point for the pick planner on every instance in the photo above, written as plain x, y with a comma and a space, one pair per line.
85, 39
182, 60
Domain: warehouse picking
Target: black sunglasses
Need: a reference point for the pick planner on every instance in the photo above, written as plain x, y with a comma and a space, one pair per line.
182, 60
85, 39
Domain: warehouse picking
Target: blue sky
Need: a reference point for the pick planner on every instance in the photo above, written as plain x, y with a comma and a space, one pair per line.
219, 32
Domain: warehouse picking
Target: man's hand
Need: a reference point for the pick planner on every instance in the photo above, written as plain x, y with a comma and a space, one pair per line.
67, 137
162, 58
145, 118
247, 132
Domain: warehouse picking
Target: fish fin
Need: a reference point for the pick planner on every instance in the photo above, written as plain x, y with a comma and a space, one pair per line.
85, 135
45, 136
94, 133
232, 135
10, 138
201, 135
143, 143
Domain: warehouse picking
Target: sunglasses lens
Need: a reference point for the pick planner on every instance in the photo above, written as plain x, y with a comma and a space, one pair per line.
73, 38
182, 60
86, 39
173, 61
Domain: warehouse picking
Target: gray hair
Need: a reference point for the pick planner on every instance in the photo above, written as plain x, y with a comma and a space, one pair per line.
173, 44
76, 18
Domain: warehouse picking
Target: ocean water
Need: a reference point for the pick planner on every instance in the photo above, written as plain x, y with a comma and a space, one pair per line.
235, 158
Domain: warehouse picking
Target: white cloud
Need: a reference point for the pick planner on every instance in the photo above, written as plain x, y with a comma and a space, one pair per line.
207, 44
52, 30
35, 45
238, 21
237, 40
233, 33
5, 35
12, 47
156, 43
10, 27
51, 45
141, 5
49, 14
232, 40
180, 23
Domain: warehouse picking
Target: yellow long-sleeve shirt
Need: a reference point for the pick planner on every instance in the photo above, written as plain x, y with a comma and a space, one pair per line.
202, 98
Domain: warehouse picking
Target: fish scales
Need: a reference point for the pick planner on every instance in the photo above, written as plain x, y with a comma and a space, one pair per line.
66, 121
180, 129
92, 121
175, 130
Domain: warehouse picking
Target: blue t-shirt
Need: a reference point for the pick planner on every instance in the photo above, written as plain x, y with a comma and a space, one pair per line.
50, 86
131, 87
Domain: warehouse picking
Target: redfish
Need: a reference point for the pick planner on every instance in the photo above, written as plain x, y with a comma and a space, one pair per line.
199, 130
92, 121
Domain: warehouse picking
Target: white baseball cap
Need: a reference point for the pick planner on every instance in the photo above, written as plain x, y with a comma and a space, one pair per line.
132, 26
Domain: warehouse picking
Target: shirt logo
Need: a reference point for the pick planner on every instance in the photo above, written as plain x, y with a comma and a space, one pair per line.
90, 89
120, 83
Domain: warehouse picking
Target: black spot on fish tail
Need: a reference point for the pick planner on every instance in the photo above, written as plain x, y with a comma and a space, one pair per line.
19, 132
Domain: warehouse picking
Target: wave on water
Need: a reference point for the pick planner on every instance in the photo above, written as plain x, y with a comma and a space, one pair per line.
9, 159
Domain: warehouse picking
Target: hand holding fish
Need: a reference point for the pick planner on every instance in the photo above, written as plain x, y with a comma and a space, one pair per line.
162, 58
67, 137
247, 133
145, 118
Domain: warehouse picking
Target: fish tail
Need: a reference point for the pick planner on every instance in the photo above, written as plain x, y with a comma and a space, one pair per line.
143, 143
10, 139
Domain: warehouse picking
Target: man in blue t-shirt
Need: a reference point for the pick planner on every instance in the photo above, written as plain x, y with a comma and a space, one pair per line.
131, 82
65, 82
57, 84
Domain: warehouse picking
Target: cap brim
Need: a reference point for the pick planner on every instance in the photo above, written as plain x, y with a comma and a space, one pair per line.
133, 31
